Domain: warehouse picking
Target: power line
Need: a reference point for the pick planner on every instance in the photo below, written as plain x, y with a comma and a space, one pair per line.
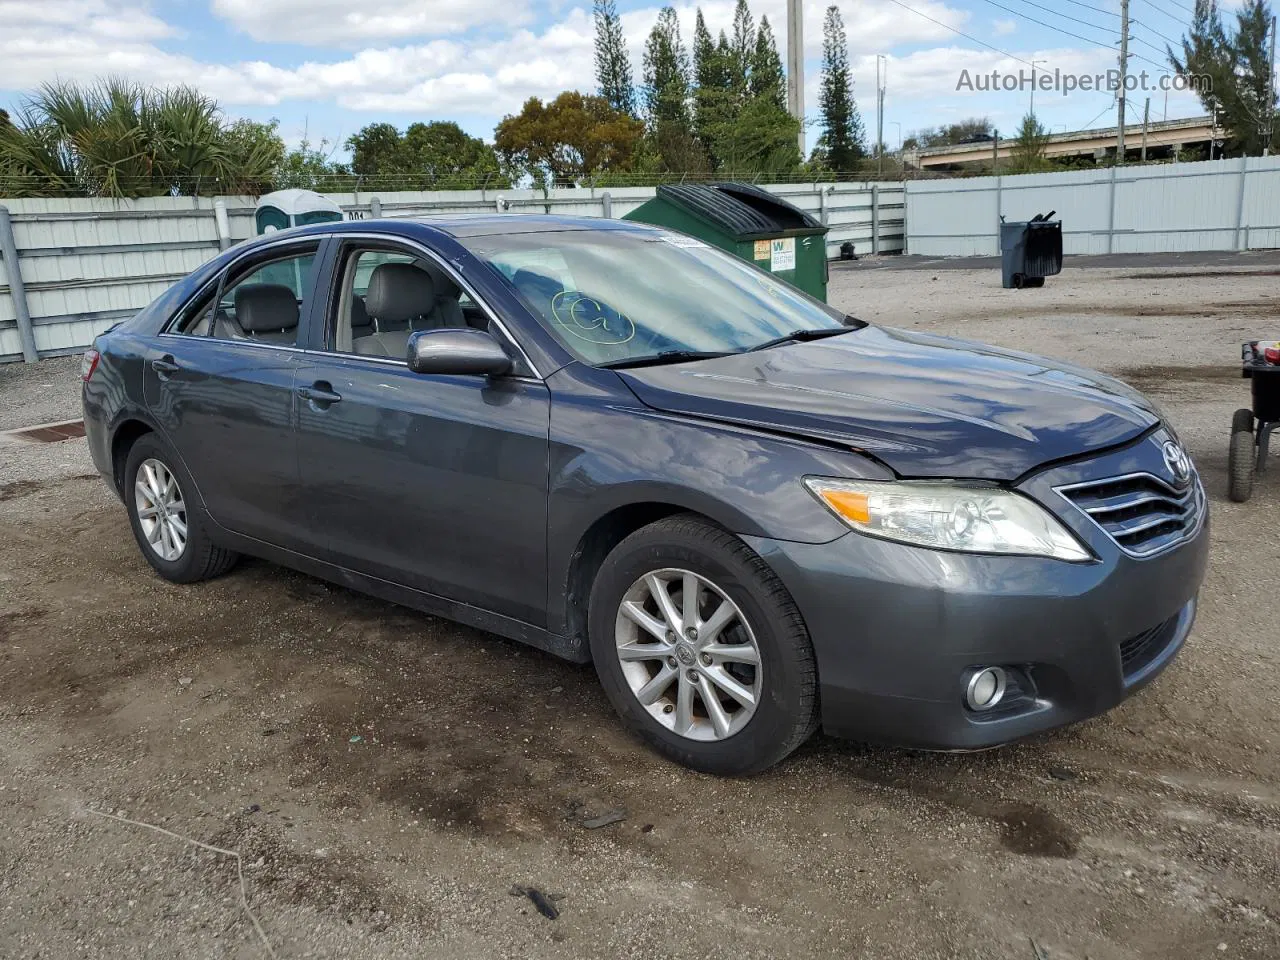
960, 33
1065, 16
1164, 37
1089, 6
1088, 125
1048, 26
1182, 6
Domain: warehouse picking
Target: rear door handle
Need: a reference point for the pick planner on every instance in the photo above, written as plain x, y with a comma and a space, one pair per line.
319, 393
165, 367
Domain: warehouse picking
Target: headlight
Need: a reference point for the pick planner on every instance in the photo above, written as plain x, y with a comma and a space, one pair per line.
949, 516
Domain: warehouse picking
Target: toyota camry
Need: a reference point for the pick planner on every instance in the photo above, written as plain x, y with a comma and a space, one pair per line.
754, 514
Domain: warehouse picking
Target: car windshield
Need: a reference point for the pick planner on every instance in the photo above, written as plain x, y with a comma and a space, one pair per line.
616, 297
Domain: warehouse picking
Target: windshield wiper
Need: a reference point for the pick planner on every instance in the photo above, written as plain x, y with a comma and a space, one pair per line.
666, 356
799, 336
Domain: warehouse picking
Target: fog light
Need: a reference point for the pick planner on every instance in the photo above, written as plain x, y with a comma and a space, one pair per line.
985, 688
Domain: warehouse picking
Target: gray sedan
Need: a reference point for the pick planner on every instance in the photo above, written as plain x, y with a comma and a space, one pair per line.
754, 514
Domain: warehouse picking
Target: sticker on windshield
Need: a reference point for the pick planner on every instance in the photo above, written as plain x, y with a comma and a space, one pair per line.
676, 241
782, 254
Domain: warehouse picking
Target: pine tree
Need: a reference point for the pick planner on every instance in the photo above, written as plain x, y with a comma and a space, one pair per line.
613, 65
666, 72
742, 46
767, 79
1236, 66
1027, 155
843, 125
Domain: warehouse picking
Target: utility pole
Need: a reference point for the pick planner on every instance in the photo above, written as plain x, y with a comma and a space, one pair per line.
1271, 91
1124, 73
880, 85
995, 151
1146, 118
795, 65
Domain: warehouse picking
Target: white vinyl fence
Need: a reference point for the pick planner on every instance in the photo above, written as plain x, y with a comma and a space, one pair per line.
1214, 205
86, 264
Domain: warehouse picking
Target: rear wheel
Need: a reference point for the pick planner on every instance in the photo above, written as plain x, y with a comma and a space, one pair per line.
1242, 460
171, 528
701, 649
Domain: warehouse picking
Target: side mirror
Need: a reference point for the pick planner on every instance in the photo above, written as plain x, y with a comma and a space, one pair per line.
457, 350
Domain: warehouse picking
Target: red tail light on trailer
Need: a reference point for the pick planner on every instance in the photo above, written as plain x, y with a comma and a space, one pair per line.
88, 364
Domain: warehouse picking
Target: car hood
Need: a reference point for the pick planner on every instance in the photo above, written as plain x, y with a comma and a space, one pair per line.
927, 406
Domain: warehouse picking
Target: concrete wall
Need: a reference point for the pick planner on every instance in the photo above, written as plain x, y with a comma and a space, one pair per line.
1214, 205
87, 264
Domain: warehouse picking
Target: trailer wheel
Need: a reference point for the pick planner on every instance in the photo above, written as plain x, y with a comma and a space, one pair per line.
1241, 464
1242, 419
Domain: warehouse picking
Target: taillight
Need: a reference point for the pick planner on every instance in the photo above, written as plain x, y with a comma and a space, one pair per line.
88, 364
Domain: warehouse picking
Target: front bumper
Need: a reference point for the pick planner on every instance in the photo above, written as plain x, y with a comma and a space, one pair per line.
898, 629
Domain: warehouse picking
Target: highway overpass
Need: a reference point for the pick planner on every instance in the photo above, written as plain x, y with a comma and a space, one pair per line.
1165, 139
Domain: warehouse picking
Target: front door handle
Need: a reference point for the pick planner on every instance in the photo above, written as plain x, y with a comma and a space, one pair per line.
320, 394
165, 367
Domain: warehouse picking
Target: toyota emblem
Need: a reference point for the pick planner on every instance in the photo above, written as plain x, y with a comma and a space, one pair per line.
1176, 459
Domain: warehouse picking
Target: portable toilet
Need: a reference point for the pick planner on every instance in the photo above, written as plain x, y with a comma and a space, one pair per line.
751, 223
294, 208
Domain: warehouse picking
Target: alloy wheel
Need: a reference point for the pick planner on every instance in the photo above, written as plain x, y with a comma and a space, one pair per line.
162, 513
688, 654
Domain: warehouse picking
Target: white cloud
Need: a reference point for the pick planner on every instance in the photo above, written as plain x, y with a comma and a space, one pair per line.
488, 74
352, 22
1004, 27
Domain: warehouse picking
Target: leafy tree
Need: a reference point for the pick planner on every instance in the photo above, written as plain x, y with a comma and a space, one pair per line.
1236, 67
428, 156
613, 65
116, 138
767, 79
376, 151
1028, 152
573, 137
950, 134
842, 137
311, 167
760, 140
260, 142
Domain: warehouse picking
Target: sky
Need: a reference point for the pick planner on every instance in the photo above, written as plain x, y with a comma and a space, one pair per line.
325, 68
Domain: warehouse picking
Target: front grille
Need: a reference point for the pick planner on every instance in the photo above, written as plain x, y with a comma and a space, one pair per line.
1140, 649
1143, 514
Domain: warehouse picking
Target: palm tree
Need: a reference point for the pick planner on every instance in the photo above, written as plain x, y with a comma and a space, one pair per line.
117, 138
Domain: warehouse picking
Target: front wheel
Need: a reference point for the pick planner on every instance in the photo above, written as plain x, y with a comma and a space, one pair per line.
701, 649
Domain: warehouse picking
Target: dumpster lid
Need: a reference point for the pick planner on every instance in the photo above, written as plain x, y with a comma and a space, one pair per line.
739, 209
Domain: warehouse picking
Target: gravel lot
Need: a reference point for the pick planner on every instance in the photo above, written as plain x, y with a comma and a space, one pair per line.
387, 777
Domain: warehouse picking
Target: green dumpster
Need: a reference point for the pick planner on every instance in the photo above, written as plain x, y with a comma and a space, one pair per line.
749, 222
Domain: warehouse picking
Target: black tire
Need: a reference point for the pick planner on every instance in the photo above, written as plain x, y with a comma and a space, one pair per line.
1242, 419
1018, 281
201, 558
787, 710
1242, 461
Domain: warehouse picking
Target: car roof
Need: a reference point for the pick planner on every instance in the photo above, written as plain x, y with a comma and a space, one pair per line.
461, 226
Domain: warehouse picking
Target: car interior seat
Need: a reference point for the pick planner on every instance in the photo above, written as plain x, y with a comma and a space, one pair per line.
403, 298
263, 311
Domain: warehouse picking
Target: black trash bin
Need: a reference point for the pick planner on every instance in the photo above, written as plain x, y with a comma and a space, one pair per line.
1030, 251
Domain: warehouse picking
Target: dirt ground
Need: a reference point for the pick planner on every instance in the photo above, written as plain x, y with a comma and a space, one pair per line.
387, 778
